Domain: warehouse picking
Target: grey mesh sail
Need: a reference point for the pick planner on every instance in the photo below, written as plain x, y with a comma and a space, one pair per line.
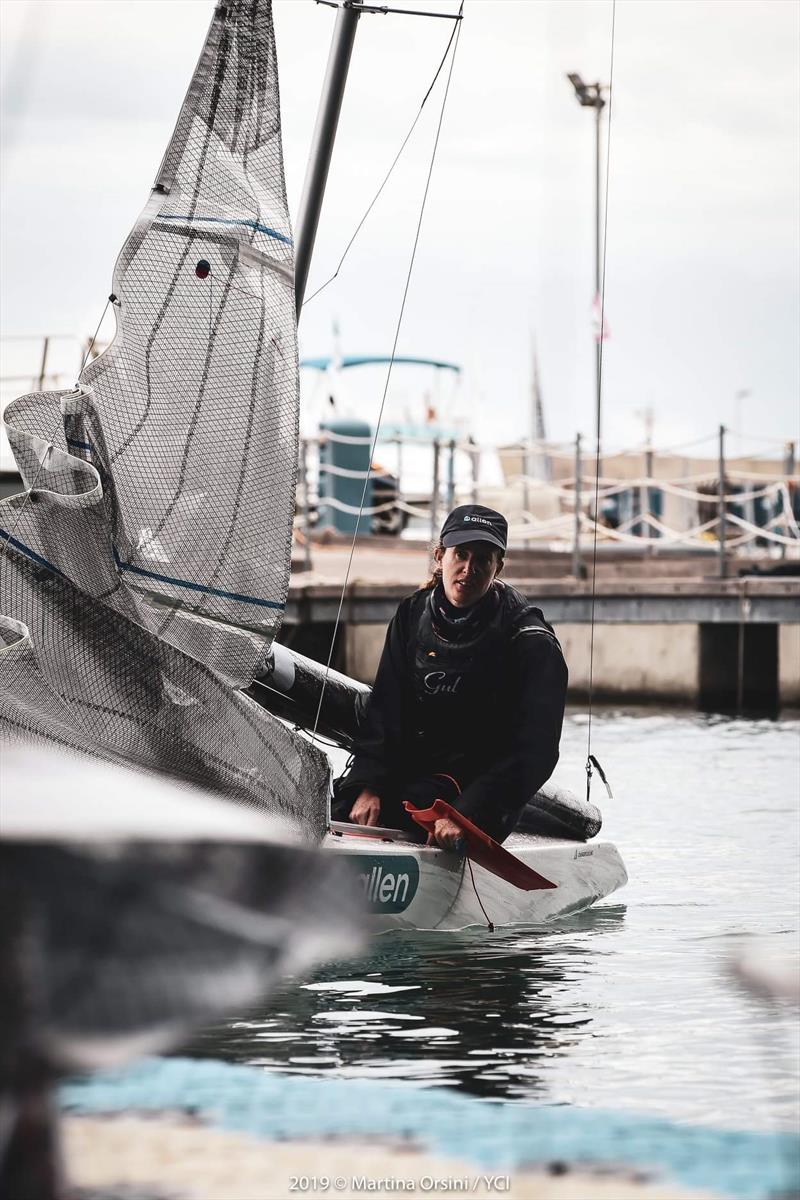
145, 571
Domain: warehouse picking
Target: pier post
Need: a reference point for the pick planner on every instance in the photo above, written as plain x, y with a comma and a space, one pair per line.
474, 457
644, 503
723, 566
788, 466
435, 492
451, 477
740, 668
43, 364
576, 545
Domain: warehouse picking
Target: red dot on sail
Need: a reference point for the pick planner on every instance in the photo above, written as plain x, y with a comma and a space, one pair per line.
203, 269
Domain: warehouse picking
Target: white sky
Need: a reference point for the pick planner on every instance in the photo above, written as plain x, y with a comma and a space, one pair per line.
703, 258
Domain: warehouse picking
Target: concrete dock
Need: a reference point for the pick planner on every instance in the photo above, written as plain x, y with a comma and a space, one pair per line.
667, 628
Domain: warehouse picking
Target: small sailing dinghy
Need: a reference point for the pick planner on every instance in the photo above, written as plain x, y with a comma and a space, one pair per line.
539, 874
408, 886
145, 569
547, 868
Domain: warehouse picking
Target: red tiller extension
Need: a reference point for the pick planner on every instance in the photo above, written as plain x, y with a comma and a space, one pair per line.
482, 849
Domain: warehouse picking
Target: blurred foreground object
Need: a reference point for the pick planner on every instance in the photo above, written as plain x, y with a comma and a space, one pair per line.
130, 910
768, 970
120, 1154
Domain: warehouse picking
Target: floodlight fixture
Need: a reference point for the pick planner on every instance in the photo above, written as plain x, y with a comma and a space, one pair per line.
589, 95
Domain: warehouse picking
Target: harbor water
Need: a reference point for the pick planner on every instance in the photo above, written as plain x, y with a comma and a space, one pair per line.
631, 1005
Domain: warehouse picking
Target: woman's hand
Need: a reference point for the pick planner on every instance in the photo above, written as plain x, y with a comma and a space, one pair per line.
367, 808
446, 834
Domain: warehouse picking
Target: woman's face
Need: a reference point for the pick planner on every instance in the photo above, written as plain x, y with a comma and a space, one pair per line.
468, 571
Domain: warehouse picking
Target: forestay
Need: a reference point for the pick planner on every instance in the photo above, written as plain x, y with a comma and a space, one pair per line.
161, 490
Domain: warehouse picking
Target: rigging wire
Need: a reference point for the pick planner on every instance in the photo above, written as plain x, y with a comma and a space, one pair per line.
111, 300
591, 761
389, 370
395, 161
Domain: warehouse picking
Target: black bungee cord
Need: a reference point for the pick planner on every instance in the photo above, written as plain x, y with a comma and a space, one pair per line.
489, 923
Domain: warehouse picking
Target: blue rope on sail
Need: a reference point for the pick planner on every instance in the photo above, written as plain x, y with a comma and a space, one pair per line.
123, 566
31, 554
273, 233
196, 587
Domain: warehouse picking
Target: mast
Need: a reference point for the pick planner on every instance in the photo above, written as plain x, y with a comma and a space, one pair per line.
319, 161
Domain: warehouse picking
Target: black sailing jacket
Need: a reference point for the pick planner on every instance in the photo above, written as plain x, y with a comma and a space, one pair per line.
487, 709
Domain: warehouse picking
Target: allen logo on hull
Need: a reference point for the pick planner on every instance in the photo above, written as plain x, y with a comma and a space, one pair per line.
390, 882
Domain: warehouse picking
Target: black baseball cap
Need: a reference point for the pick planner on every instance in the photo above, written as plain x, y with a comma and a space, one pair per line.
474, 523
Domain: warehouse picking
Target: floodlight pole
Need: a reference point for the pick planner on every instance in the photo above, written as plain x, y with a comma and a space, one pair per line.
590, 95
597, 281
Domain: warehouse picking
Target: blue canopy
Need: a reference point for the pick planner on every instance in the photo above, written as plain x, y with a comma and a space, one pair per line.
367, 360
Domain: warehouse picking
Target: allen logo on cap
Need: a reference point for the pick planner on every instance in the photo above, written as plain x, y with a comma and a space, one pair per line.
475, 523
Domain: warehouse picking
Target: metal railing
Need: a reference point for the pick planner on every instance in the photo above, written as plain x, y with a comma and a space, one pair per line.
727, 504
648, 498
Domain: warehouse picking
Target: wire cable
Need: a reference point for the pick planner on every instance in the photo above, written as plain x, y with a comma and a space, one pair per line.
375, 198
389, 370
111, 300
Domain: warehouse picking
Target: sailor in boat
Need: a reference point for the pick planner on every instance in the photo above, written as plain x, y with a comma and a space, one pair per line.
469, 696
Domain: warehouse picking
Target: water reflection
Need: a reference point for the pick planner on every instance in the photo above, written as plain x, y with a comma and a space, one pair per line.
608, 1009
484, 1012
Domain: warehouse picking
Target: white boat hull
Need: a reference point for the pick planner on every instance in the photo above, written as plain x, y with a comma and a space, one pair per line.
409, 886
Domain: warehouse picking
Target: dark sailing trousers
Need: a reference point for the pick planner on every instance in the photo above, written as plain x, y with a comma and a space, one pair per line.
421, 793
